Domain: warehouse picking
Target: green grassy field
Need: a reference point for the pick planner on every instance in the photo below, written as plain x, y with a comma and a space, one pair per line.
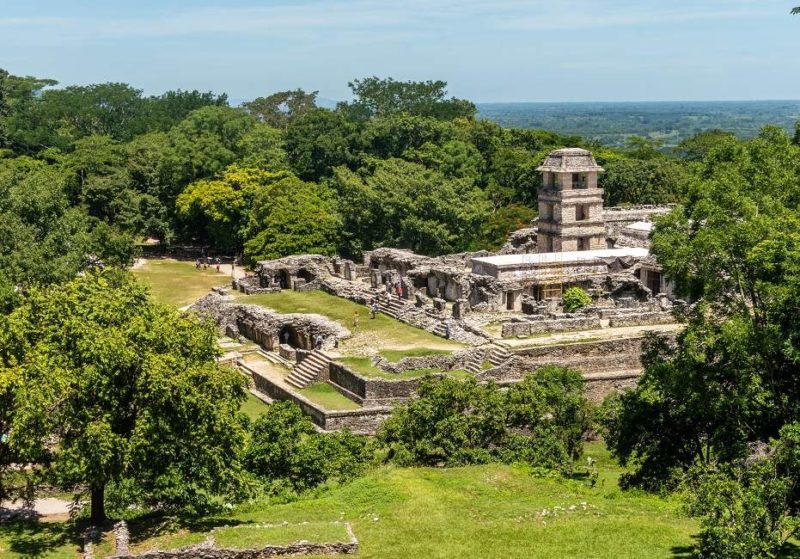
364, 367
178, 283
381, 333
253, 407
326, 396
491, 511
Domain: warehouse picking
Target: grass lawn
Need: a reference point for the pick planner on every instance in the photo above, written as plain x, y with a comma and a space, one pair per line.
395, 355
364, 367
489, 511
248, 536
176, 282
381, 333
328, 397
253, 407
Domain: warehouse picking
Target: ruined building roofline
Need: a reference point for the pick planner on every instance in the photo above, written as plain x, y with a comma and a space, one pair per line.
543, 258
570, 160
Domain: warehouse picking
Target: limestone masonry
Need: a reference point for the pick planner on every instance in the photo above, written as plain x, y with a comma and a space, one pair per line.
505, 307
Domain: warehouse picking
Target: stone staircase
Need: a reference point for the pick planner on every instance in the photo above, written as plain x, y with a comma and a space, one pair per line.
309, 369
496, 356
499, 355
393, 309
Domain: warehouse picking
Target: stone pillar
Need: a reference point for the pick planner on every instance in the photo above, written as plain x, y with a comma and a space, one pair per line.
460, 308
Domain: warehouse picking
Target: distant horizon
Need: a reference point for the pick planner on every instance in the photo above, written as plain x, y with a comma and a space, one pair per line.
499, 51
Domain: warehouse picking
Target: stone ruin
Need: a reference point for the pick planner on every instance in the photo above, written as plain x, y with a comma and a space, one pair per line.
573, 242
267, 328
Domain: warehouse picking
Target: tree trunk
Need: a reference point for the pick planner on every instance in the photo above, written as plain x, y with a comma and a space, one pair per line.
98, 504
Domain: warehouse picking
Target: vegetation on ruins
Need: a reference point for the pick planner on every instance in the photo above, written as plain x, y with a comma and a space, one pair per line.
540, 421
105, 391
575, 298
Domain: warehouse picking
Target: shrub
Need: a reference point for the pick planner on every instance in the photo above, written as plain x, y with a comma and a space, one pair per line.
285, 450
576, 298
751, 509
539, 421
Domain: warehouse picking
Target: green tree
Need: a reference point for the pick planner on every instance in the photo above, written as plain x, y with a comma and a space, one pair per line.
285, 449
375, 97
730, 379
541, 421
397, 203
751, 508
263, 148
280, 108
217, 210
637, 181
208, 140
319, 141
292, 217
500, 224
105, 385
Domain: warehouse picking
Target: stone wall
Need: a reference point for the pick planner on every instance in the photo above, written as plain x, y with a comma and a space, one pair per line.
365, 421
268, 328
372, 391
530, 327
642, 319
209, 549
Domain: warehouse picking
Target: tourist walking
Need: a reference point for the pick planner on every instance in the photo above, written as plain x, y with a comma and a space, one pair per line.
373, 310
355, 319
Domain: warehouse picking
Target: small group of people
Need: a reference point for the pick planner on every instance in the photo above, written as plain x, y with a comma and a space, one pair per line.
397, 289
206, 262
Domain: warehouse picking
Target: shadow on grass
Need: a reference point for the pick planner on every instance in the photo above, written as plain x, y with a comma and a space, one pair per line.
31, 538
790, 550
154, 525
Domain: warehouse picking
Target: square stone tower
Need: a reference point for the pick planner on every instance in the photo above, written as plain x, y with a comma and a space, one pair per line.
570, 203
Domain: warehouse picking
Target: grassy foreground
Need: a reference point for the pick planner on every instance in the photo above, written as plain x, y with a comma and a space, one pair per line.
476, 511
178, 283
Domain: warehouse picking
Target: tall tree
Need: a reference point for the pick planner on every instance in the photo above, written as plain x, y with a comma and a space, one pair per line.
279, 109
104, 385
397, 203
292, 217
376, 97
731, 378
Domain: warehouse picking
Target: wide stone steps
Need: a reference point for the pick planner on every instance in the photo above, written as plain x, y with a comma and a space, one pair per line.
309, 369
474, 366
498, 356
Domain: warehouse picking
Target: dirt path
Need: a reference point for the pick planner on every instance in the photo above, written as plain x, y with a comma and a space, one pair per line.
41, 507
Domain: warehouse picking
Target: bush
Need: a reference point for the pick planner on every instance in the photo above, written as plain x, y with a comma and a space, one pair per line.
540, 421
285, 450
751, 509
576, 298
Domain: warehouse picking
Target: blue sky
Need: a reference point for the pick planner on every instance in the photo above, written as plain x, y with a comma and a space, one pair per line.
488, 50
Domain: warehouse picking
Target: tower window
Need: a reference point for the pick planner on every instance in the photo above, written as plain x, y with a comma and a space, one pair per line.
579, 180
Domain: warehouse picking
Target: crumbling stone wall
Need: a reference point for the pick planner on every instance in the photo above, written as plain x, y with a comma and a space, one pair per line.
209, 550
266, 327
569, 323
